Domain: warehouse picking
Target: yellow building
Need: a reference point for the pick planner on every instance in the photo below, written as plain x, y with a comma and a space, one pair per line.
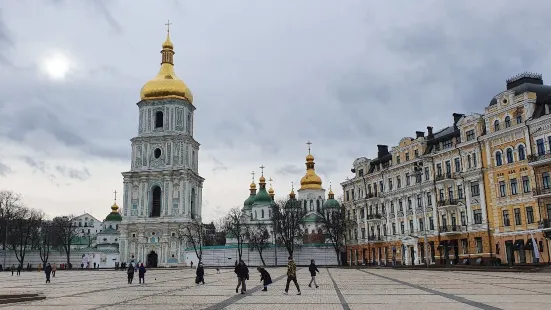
513, 209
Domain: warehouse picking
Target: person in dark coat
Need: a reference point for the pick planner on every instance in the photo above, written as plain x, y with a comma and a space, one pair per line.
48, 271
130, 272
200, 274
264, 276
242, 272
313, 269
141, 274
19, 269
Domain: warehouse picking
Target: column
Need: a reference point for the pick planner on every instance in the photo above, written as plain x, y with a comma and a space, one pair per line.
468, 204
181, 196
365, 221
483, 200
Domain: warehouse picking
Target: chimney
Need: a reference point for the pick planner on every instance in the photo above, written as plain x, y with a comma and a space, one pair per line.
429, 135
419, 134
382, 150
457, 117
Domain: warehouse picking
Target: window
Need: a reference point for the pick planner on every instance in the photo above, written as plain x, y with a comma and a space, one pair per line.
419, 201
475, 164
496, 125
262, 213
457, 165
470, 135
469, 161
519, 118
397, 159
402, 228
441, 194
429, 199
460, 191
502, 192
409, 203
389, 184
507, 121
478, 243
514, 186
400, 206
545, 180
398, 182
392, 207
363, 233
421, 225
509, 156
498, 159
361, 172
427, 174
525, 184
450, 192
407, 179
521, 152
439, 169
416, 152
517, 216
407, 156
393, 228
431, 223
477, 216
540, 147
448, 168
411, 226
548, 212
447, 144
529, 215
506, 220
381, 187
463, 218
159, 119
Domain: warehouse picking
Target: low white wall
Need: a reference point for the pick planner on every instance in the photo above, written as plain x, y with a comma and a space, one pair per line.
226, 256
105, 260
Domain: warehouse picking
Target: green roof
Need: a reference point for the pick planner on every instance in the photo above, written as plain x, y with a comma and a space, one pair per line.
262, 198
249, 202
331, 203
311, 218
114, 217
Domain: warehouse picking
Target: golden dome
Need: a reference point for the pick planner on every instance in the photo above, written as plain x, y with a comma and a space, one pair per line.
166, 84
114, 208
311, 180
331, 191
262, 179
253, 186
271, 191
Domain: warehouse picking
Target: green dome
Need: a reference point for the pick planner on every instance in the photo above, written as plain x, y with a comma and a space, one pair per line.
312, 218
247, 205
262, 197
331, 203
113, 217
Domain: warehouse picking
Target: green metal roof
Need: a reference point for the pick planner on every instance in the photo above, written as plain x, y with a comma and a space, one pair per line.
114, 217
310, 218
331, 203
262, 198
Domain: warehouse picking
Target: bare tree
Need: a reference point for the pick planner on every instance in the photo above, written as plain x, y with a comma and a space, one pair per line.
45, 240
193, 233
288, 223
235, 225
259, 239
10, 204
66, 231
22, 231
334, 224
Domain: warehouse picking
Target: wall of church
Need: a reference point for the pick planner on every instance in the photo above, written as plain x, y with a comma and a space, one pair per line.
91, 255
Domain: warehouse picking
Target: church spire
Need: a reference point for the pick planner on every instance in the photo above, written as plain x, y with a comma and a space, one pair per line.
310, 180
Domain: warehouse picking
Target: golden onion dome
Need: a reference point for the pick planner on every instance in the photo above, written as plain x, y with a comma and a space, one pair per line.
271, 191
310, 180
262, 179
253, 186
115, 208
166, 84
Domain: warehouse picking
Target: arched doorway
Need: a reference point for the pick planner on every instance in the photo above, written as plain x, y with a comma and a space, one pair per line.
192, 203
156, 202
152, 259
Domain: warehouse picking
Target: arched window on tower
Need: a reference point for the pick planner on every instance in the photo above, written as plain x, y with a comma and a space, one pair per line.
159, 119
521, 152
188, 123
262, 213
192, 203
496, 125
311, 205
498, 159
318, 206
156, 202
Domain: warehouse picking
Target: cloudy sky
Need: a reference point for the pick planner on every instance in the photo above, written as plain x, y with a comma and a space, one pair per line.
267, 76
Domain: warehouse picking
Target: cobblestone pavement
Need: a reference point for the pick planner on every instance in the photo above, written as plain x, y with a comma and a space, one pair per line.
338, 289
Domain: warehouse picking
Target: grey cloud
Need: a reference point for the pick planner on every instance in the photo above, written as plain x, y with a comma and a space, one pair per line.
4, 169
289, 170
37, 165
72, 173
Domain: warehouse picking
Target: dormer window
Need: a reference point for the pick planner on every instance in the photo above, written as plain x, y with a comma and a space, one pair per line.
361, 172
470, 135
496, 125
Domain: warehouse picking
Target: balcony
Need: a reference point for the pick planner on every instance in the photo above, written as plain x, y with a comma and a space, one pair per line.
375, 238
445, 176
541, 192
452, 229
372, 195
450, 203
538, 160
375, 218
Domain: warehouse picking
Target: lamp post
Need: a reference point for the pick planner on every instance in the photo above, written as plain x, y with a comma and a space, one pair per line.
418, 172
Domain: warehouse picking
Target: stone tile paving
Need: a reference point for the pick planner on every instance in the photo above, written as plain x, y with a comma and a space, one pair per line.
338, 289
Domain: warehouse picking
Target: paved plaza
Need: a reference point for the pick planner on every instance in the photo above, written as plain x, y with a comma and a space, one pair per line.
339, 289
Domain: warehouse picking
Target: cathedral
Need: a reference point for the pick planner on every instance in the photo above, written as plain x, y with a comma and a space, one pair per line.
257, 208
163, 188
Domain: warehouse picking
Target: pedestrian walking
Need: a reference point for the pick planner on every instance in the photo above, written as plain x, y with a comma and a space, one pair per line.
264, 277
19, 269
242, 272
313, 269
12, 269
54, 269
200, 274
130, 272
291, 275
141, 274
48, 271
191, 264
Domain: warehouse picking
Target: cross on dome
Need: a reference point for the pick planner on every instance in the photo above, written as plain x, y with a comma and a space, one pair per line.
168, 26
309, 143
253, 175
115, 192
262, 169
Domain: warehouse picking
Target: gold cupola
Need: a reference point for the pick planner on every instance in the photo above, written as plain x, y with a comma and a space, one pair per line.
271, 191
292, 193
310, 180
166, 84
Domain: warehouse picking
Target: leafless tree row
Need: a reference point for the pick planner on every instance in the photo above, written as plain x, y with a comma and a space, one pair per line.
25, 229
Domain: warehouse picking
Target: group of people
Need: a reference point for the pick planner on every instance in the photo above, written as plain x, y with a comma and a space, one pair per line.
49, 270
242, 272
141, 273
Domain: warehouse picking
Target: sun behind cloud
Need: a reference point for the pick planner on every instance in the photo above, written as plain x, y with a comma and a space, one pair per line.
56, 66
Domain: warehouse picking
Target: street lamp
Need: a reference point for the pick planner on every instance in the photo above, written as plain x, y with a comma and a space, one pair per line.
418, 172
